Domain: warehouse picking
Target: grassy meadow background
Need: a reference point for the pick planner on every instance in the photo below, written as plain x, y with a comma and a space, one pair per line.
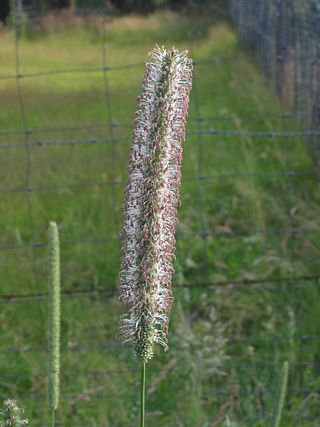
234, 322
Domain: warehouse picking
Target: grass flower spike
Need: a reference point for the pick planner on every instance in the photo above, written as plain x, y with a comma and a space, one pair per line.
54, 317
152, 195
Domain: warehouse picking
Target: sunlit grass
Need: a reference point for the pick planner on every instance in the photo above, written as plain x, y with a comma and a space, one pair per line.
247, 210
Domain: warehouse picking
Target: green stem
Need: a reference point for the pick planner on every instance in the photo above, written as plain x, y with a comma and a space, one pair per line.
52, 418
281, 394
143, 393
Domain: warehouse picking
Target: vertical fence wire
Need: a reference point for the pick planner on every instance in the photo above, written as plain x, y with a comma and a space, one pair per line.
18, 29
202, 215
107, 95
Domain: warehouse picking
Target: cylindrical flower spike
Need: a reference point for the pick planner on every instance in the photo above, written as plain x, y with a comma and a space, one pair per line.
54, 316
152, 195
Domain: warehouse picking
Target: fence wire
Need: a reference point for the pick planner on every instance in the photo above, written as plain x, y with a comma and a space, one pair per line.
285, 34
283, 37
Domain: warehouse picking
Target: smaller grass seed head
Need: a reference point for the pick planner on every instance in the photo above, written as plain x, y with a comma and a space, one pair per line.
11, 414
54, 315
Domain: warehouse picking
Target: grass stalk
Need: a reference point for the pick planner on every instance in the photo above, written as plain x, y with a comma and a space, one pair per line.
281, 395
143, 394
52, 418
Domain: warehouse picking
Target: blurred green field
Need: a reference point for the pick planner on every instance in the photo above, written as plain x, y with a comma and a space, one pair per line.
238, 207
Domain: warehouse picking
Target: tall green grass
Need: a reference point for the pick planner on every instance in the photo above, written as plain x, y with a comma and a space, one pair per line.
227, 343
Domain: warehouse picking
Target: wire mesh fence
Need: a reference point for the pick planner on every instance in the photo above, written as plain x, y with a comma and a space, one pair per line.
248, 239
285, 36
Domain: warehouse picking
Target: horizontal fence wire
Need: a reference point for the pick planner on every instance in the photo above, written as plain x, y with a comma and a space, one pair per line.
213, 132
203, 234
110, 291
216, 60
111, 347
118, 182
221, 117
